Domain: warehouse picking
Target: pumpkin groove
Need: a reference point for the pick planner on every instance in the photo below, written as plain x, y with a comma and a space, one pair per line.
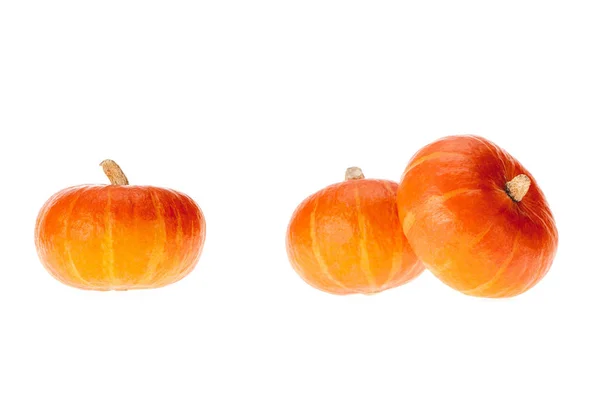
69, 262
485, 285
317, 252
160, 240
362, 237
108, 259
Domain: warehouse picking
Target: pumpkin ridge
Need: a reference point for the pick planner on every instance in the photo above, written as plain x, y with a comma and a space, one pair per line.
67, 242
178, 233
108, 256
41, 218
41, 242
539, 273
515, 285
432, 156
515, 289
189, 263
365, 264
185, 264
544, 221
316, 250
192, 233
388, 186
493, 149
157, 254
409, 221
456, 192
396, 261
479, 237
503, 267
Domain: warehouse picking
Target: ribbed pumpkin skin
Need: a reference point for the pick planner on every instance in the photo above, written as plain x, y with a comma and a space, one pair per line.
111, 237
463, 225
347, 239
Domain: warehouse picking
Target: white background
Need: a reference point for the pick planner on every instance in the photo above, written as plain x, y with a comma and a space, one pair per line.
249, 107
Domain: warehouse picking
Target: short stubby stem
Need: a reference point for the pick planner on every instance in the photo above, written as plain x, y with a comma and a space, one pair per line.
354, 173
518, 187
114, 173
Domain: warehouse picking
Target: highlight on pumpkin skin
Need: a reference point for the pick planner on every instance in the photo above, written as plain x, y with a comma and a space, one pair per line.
347, 239
476, 217
119, 237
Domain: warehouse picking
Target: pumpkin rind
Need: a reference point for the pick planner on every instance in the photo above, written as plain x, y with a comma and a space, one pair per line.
112, 237
462, 223
347, 239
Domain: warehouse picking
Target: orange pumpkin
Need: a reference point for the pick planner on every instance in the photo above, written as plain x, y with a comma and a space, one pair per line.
347, 238
119, 237
476, 217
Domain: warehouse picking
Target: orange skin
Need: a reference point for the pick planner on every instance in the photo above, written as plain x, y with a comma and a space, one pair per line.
112, 237
461, 222
347, 239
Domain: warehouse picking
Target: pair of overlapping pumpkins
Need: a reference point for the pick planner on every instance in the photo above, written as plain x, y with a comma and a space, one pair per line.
464, 209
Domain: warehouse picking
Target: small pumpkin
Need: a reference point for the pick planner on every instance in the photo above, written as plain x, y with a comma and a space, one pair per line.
476, 217
119, 237
347, 238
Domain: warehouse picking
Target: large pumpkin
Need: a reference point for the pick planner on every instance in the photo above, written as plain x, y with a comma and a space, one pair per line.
119, 237
476, 217
347, 238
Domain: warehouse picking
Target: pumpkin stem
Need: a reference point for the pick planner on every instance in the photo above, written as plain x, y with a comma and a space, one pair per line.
114, 173
354, 173
517, 187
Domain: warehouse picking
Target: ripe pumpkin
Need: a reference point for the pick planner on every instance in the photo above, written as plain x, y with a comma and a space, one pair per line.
119, 237
476, 217
347, 238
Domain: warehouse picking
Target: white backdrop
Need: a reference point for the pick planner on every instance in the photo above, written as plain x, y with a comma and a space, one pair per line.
249, 107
